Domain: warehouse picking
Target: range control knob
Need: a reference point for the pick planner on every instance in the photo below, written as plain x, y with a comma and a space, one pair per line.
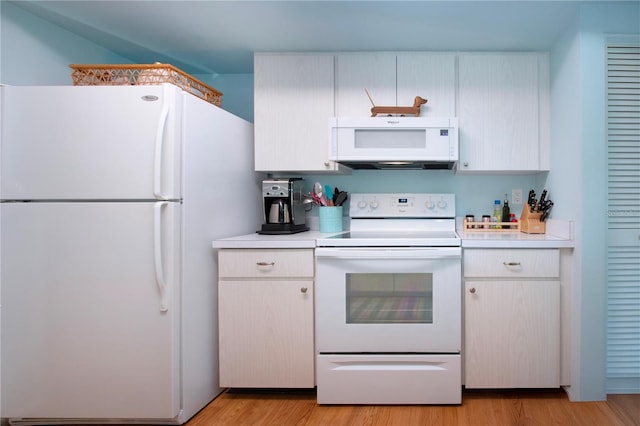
442, 204
430, 205
374, 204
362, 204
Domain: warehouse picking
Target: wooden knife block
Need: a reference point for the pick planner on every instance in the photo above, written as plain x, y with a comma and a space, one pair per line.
530, 222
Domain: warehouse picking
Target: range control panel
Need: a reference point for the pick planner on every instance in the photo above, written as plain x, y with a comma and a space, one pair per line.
386, 205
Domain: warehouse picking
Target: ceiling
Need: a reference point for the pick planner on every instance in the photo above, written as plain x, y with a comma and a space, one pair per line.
220, 37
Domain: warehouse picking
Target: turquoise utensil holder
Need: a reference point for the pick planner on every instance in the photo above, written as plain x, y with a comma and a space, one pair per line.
330, 219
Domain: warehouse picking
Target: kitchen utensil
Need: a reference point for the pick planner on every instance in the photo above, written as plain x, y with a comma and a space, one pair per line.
531, 201
329, 195
341, 198
541, 203
317, 189
547, 207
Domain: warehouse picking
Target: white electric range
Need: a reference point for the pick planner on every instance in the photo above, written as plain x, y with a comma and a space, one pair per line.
388, 303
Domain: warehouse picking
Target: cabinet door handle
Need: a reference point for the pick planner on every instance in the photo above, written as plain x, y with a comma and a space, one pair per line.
472, 290
511, 263
303, 290
265, 263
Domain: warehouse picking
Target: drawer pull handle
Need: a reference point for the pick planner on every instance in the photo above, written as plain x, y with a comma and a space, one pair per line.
472, 290
511, 263
303, 290
265, 263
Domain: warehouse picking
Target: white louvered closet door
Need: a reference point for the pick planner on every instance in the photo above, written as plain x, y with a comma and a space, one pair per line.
623, 235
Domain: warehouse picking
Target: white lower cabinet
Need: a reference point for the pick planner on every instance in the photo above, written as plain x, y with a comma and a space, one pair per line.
265, 308
512, 318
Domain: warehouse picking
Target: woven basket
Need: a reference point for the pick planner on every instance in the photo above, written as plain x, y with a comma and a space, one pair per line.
141, 74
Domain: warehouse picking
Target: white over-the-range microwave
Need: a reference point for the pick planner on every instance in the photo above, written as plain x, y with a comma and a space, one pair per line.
394, 142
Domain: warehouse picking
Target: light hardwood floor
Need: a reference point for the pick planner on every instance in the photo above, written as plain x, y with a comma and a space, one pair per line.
479, 408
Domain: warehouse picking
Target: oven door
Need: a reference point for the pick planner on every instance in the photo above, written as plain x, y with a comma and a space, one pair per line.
393, 300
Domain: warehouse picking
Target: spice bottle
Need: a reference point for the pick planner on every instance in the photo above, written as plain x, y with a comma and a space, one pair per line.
506, 213
469, 219
497, 214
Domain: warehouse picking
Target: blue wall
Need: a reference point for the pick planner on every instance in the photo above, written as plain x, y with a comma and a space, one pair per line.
596, 22
474, 193
237, 92
35, 52
579, 173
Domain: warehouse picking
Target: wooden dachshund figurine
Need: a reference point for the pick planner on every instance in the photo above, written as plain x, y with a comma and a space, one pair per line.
391, 110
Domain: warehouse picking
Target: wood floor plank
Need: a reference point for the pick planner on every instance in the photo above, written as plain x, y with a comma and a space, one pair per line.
478, 408
627, 407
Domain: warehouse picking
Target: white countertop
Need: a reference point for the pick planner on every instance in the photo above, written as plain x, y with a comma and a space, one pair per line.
513, 240
558, 236
306, 239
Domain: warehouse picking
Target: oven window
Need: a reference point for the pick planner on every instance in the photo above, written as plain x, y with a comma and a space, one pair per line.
375, 298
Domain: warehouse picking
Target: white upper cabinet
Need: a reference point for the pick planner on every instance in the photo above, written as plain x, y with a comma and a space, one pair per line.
500, 99
356, 72
293, 101
431, 76
503, 112
395, 80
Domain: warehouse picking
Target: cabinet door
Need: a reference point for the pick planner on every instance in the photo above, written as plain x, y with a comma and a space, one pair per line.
293, 101
431, 76
266, 334
512, 334
499, 112
356, 72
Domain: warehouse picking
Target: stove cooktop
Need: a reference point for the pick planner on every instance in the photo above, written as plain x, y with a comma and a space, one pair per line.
398, 220
388, 239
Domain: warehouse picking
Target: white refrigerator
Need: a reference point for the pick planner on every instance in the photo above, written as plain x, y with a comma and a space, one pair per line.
111, 197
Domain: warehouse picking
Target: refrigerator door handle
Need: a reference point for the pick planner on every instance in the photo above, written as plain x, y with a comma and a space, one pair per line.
157, 177
157, 244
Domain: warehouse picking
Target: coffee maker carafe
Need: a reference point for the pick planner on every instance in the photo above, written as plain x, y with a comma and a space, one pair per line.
282, 208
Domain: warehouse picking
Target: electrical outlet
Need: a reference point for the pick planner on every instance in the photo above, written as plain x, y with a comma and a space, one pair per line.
516, 196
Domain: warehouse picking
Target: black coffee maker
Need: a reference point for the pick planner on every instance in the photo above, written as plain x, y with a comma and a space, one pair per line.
283, 211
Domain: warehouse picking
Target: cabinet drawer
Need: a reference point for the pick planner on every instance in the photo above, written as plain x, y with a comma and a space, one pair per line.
508, 263
267, 263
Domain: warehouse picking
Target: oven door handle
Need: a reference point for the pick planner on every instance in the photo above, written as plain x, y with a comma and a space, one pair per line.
390, 253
